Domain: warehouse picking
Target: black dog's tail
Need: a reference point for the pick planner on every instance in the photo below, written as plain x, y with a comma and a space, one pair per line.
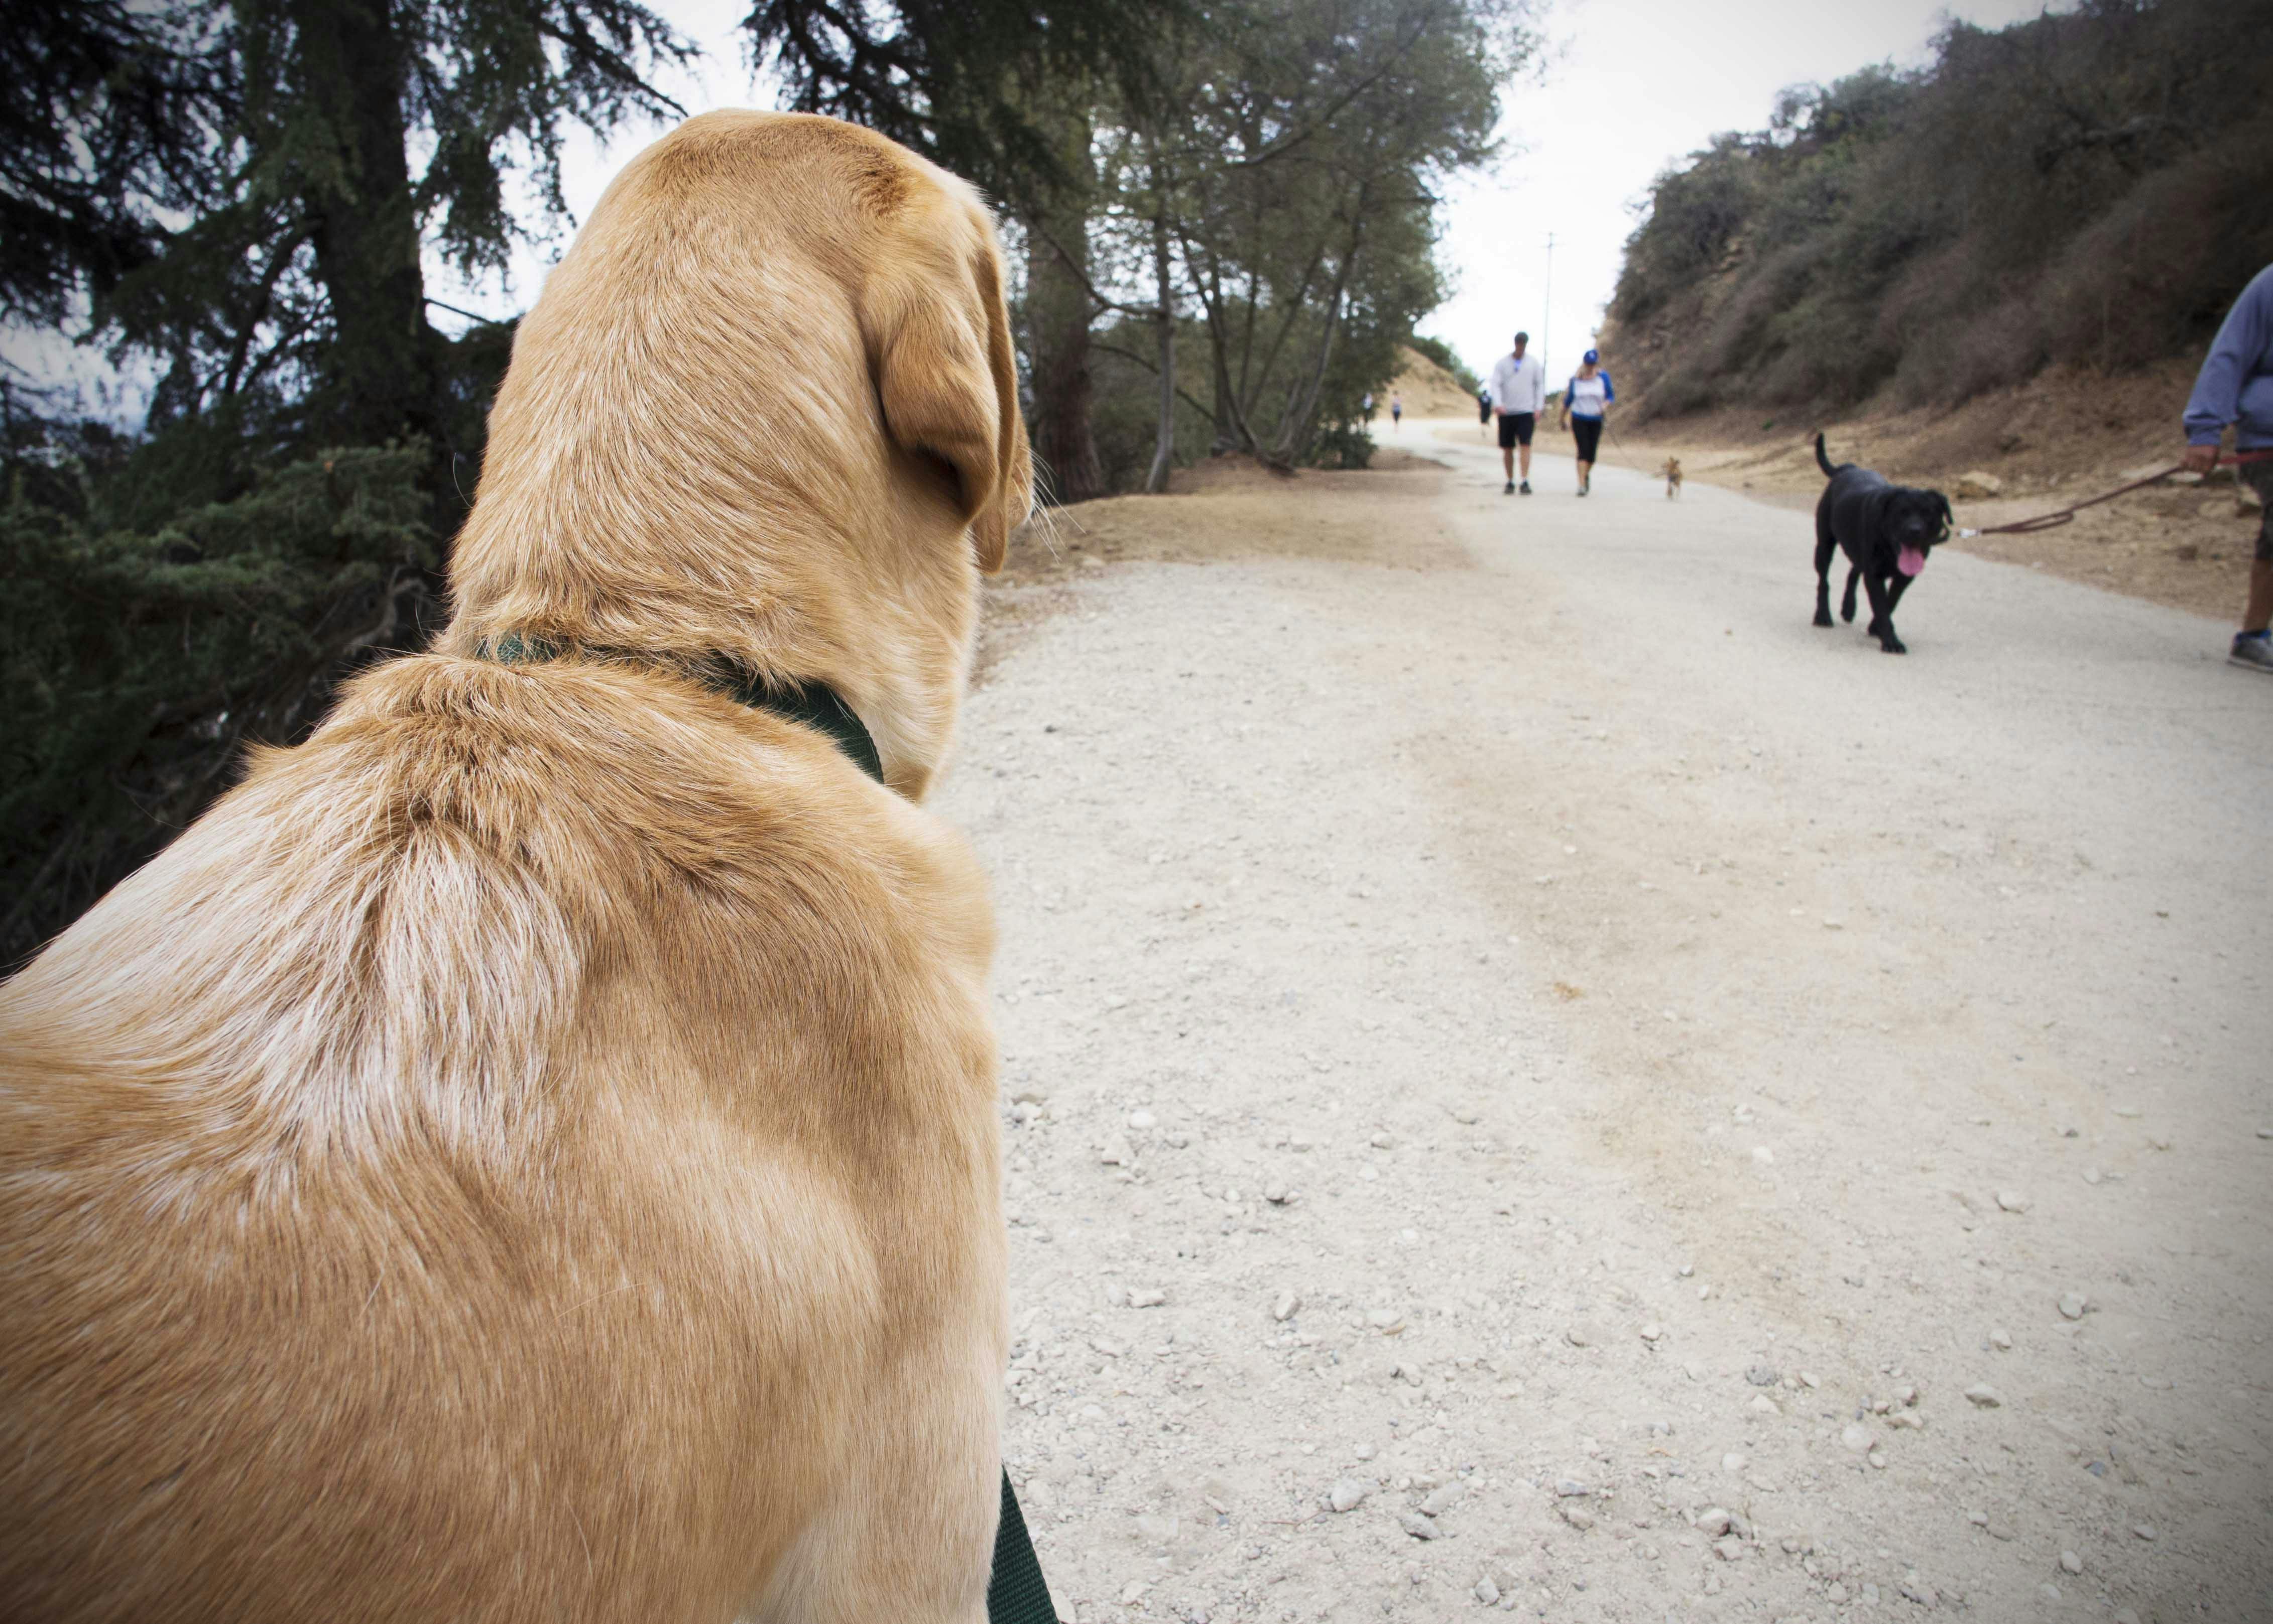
1821, 461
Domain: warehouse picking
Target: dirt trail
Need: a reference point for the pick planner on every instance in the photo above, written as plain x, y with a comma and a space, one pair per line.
1653, 1110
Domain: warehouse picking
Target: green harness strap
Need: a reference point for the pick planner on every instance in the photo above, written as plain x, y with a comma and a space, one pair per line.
1016, 1593
814, 704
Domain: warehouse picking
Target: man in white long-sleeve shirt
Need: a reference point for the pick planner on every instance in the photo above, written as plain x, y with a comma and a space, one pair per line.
1518, 394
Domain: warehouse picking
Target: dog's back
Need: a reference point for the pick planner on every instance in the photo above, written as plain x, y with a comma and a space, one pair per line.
529, 1153
1848, 484
444, 1160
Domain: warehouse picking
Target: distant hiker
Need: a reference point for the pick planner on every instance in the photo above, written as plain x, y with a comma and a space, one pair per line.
2236, 386
1396, 410
1366, 405
1483, 407
1518, 394
1585, 399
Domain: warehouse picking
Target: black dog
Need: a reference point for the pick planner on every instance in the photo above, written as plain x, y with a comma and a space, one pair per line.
1886, 531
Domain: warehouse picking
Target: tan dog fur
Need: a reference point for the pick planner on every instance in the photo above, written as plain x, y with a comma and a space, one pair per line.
1672, 472
530, 1152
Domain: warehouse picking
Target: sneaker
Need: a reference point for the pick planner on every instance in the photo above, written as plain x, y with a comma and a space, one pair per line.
2252, 652
1582, 489
1524, 487
1508, 489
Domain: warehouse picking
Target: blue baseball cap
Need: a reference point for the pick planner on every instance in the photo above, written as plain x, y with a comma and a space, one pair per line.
1591, 356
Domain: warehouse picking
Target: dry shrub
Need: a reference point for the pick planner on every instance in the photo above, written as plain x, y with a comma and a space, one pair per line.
2166, 260
1675, 396
1931, 284
1962, 356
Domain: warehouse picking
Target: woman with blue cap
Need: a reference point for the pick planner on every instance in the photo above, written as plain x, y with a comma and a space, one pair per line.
1585, 399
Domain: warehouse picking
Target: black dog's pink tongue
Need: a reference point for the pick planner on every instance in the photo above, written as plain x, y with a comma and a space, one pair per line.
1911, 561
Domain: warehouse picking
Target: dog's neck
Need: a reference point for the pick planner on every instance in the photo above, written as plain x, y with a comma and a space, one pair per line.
811, 704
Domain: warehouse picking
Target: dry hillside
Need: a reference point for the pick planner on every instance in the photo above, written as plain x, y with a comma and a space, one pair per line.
1429, 391
2082, 190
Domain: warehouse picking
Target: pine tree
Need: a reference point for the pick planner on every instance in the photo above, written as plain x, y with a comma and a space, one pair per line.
236, 194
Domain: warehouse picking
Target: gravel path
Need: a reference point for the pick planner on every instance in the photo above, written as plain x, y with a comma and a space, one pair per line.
1538, 1080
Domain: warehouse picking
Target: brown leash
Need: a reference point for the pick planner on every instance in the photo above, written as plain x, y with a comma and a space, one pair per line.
2066, 515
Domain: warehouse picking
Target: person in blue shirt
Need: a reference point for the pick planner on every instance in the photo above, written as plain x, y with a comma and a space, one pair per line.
2236, 386
1586, 400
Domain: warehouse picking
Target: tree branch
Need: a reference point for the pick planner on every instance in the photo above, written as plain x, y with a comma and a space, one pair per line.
1151, 312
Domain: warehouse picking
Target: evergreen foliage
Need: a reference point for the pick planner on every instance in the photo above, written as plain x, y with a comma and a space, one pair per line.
977, 84
105, 108
238, 198
141, 661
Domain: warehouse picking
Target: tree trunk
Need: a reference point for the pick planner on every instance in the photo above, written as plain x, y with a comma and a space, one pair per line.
1164, 447
382, 376
1059, 309
1228, 423
1303, 404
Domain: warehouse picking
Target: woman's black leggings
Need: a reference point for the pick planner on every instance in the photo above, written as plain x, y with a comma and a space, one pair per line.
1589, 432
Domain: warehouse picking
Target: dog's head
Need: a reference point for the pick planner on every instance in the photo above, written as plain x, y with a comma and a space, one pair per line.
767, 411
1913, 522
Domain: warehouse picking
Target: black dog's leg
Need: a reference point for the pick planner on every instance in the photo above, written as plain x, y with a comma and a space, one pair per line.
1826, 547
1882, 614
1846, 604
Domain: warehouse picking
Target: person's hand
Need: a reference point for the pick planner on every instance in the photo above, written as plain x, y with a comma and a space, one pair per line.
2201, 459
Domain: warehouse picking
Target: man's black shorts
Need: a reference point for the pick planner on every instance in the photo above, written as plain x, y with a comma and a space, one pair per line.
2260, 475
1515, 429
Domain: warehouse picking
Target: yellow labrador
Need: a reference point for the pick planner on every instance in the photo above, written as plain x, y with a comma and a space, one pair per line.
531, 1152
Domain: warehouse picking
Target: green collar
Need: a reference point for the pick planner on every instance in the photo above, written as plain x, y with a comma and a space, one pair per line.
814, 704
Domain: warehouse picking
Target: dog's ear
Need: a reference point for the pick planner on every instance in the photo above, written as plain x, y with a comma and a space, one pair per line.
1942, 505
938, 334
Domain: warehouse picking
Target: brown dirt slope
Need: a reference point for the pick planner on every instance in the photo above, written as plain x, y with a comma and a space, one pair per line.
2059, 438
1429, 391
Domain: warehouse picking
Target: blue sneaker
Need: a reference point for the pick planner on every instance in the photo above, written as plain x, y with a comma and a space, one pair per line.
2252, 651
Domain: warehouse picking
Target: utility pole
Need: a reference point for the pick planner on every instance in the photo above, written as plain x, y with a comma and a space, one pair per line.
1547, 314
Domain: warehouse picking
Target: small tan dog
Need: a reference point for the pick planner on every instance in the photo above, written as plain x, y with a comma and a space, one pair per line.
531, 1152
1672, 472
